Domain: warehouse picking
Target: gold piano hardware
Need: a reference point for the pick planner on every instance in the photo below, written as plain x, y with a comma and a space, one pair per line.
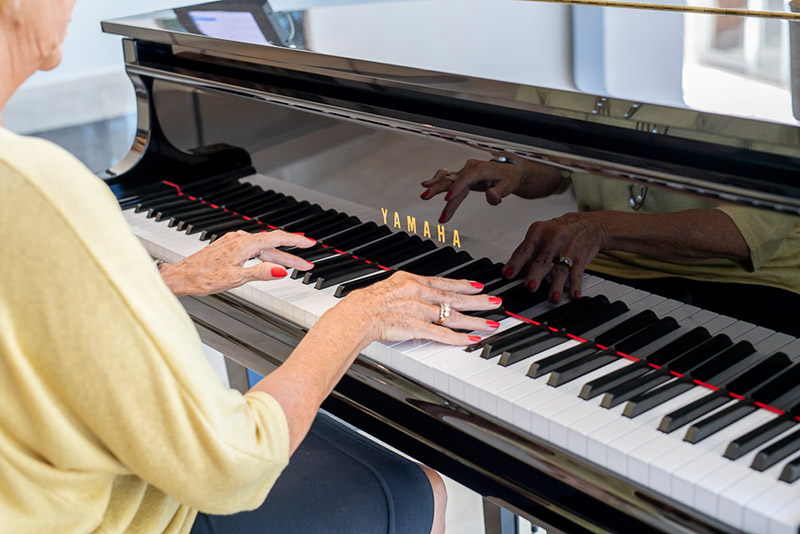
411, 227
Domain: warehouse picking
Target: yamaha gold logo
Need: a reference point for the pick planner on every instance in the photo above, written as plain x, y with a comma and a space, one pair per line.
411, 227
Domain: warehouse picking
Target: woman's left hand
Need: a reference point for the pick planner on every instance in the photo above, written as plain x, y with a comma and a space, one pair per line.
563, 246
220, 265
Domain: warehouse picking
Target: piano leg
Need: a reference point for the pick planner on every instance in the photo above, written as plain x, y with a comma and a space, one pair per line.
237, 376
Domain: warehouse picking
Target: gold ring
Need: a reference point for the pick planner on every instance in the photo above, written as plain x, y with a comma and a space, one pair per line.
450, 175
444, 312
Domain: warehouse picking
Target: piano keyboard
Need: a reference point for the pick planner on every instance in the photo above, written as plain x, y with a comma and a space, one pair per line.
688, 403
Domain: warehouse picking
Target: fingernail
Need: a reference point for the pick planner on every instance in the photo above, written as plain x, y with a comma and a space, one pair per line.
508, 273
425, 194
448, 195
576, 294
495, 300
477, 285
475, 339
441, 218
312, 240
310, 263
531, 285
492, 324
555, 296
278, 272
299, 233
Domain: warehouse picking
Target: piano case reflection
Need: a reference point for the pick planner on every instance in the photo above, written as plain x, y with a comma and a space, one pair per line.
621, 411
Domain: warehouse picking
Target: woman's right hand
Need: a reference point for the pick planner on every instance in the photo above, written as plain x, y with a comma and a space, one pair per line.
406, 306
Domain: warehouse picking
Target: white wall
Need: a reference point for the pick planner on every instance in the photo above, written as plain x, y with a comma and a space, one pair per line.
90, 84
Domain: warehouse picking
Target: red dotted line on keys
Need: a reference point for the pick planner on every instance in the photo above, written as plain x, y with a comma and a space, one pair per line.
654, 366
246, 218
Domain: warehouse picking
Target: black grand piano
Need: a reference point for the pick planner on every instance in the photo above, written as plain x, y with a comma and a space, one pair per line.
622, 411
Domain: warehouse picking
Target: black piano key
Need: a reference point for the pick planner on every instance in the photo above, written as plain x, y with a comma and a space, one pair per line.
519, 298
694, 410
650, 399
223, 218
210, 218
680, 362
565, 357
587, 322
334, 229
296, 215
520, 339
277, 209
481, 270
513, 334
348, 287
200, 210
636, 339
189, 207
252, 227
223, 227
697, 369
726, 364
324, 282
583, 366
626, 328
259, 204
573, 323
753, 378
573, 310
357, 236
414, 250
232, 194
177, 203
437, 262
694, 338
157, 190
783, 391
776, 452
389, 243
758, 436
341, 265
604, 383
321, 219
335, 259
716, 422
791, 471
313, 253
205, 189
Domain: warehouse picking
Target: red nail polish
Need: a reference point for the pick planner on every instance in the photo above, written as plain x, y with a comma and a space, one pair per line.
576, 294
425, 194
299, 233
312, 240
475, 339
310, 263
532, 285
508, 273
448, 195
278, 272
495, 300
555, 296
441, 219
477, 285
492, 324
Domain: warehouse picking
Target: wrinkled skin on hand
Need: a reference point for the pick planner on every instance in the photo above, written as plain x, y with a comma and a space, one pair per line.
405, 306
220, 266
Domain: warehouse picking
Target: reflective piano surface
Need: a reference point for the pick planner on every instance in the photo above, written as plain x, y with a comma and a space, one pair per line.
351, 106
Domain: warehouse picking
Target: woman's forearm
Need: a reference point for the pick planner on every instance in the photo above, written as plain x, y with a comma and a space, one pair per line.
307, 377
681, 237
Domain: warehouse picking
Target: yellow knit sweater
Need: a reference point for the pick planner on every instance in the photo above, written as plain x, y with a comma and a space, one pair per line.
111, 420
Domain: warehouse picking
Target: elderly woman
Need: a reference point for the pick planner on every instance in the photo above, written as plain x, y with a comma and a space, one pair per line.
731, 259
112, 420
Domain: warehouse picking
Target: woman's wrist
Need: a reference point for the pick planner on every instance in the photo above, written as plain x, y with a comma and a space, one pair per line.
170, 273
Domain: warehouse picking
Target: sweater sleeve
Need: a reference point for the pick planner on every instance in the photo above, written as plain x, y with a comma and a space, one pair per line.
763, 231
109, 362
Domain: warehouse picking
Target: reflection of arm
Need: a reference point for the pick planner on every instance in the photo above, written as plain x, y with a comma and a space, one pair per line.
681, 237
539, 180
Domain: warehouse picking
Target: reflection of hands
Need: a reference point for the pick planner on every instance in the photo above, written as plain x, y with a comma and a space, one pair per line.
498, 180
575, 237
406, 306
220, 266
